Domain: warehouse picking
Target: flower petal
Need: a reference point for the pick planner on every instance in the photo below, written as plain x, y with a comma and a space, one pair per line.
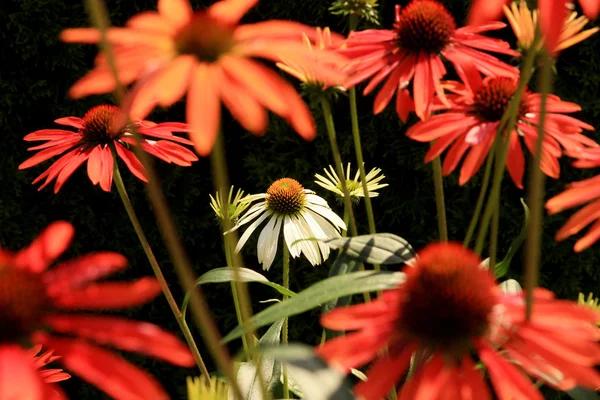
46, 248
203, 109
19, 380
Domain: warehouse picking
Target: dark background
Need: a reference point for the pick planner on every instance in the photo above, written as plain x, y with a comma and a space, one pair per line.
36, 70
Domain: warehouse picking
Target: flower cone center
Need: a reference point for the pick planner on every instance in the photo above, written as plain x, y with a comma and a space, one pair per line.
286, 196
448, 298
204, 37
492, 99
99, 124
424, 25
23, 302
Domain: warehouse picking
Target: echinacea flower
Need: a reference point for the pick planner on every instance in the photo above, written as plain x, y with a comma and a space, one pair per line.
235, 205
36, 305
210, 56
198, 389
552, 14
302, 214
311, 74
448, 311
578, 193
424, 33
471, 124
99, 139
590, 301
332, 183
524, 22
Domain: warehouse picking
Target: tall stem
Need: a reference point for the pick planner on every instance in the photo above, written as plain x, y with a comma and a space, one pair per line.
339, 168
536, 194
200, 309
158, 272
236, 302
479, 205
284, 333
438, 183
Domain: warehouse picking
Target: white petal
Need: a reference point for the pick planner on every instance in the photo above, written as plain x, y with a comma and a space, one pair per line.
249, 231
272, 242
314, 199
291, 234
262, 245
310, 247
318, 231
327, 213
252, 213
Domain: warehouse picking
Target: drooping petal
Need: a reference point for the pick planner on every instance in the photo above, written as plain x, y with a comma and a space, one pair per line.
19, 380
177, 12
46, 248
384, 374
132, 162
230, 11
203, 111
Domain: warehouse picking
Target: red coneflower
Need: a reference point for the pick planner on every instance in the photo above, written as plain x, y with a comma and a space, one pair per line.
33, 308
208, 55
99, 138
471, 125
448, 309
552, 14
577, 193
424, 32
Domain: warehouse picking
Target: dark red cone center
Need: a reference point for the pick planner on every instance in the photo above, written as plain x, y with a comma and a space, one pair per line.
99, 124
424, 25
23, 302
492, 99
204, 37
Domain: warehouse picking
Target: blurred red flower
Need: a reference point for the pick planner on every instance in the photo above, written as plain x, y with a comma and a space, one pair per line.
100, 136
35, 305
450, 309
424, 33
471, 124
208, 55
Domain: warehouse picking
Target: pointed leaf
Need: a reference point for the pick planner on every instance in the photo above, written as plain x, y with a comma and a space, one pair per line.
580, 393
322, 292
502, 267
315, 379
381, 248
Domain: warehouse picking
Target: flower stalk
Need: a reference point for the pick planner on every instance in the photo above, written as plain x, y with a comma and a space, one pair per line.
284, 329
158, 272
236, 302
536, 194
438, 183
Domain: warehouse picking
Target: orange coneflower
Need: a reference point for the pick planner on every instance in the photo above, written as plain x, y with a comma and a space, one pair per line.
471, 125
209, 55
424, 34
34, 307
552, 13
523, 22
450, 310
100, 137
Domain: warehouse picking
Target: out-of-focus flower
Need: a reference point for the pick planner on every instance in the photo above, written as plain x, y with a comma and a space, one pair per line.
99, 139
36, 304
302, 214
523, 22
332, 183
210, 56
424, 32
366, 9
449, 309
591, 301
235, 205
314, 81
578, 193
552, 14
198, 389
471, 126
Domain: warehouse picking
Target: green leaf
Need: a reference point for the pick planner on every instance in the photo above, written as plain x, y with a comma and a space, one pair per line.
227, 274
580, 393
247, 374
503, 266
381, 248
312, 377
322, 292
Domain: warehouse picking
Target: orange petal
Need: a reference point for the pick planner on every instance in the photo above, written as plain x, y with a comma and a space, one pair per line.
46, 248
203, 111
177, 12
243, 107
18, 377
231, 11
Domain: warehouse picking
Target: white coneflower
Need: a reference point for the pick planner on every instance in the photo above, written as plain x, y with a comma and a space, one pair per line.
332, 183
303, 216
236, 205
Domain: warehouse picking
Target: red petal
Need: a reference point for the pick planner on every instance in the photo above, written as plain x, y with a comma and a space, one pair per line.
128, 335
423, 86
591, 8
483, 11
77, 273
177, 12
132, 162
110, 295
45, 155
243, 106
105, 370
75, 122
69, 168
19, 380
515, 160
230, 11
46, 248
203, 110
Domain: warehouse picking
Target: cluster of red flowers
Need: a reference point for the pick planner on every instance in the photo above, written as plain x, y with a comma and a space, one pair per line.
448, 311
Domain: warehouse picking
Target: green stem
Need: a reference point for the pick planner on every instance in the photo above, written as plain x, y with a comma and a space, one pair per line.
158, 272
438, 183
484, 185
200, 309
339, 167
507, 124
536, 194
236, 302
284, 333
